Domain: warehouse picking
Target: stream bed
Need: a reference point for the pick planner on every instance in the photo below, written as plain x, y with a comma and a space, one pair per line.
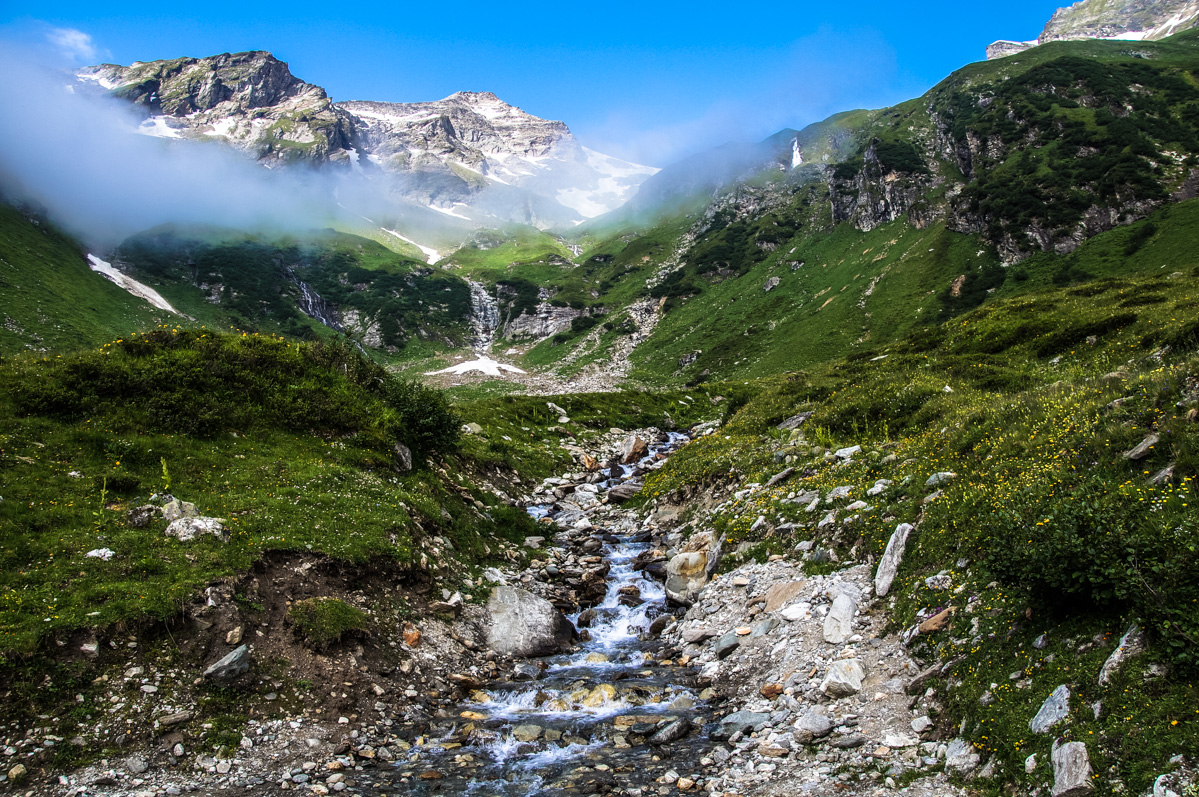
611, 715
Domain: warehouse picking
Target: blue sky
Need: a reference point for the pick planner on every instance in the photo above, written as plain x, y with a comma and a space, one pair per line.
651, 82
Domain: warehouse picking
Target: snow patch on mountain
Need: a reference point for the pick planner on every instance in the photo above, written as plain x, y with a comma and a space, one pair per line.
431, 254
158, 127
484, 365
123, 280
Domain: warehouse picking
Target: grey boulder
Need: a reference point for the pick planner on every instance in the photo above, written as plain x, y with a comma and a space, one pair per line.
813, 725
231, 665
523, 624
960, 756
186, 529
739, 722
838, 623
1071, 770
1055, 709
844, 678
888, 566
686, 575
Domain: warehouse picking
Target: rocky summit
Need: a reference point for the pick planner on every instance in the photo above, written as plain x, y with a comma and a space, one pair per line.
1124, 20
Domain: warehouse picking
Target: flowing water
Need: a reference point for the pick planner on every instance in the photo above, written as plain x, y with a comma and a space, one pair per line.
314, 305
588, 722
484, 317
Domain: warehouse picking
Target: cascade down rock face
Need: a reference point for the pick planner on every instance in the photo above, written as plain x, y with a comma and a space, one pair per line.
523, 624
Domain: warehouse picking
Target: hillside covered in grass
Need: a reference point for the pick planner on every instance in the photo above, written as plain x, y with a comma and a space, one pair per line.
51, 299
991, 184
1043, 447
291, 446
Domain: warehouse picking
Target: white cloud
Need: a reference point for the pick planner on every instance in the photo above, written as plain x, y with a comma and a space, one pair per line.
820, 74
73, 43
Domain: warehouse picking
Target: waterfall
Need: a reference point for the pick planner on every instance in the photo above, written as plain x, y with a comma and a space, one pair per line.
484, 317
314, 305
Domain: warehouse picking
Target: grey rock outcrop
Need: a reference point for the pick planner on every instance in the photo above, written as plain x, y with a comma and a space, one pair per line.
1055, 709
1142, 449
176, 509
523, 624
249, 100
1132, 643
888, 566
545, 321
188, 528
230, 666
1071, 770
960, 756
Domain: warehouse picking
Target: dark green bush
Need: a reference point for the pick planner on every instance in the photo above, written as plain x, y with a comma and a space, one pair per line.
428, 424
202, 384
1099, 548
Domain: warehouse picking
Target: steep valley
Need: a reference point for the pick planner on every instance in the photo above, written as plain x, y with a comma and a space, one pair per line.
859, 460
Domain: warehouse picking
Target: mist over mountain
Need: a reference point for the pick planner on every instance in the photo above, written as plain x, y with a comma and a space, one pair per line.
470, 156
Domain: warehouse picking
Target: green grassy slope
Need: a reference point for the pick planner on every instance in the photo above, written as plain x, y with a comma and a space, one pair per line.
227, 278
821, 310
1046, 528
50, 300
291, 444
1123, 161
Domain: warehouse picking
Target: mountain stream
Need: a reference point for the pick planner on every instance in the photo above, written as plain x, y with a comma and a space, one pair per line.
610, 714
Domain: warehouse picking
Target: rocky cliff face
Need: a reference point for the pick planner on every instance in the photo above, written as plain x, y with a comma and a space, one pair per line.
470, 155
1131, 20
874, 192
1121, 19
249, 100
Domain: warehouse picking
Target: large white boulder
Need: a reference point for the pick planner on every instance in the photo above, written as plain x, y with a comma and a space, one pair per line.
523, 624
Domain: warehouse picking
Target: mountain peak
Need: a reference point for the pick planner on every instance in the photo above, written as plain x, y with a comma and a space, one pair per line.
1124, 20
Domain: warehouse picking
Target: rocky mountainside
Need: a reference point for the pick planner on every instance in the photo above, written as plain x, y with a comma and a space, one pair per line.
470, 156
250, 100
1125, 20
453, 149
